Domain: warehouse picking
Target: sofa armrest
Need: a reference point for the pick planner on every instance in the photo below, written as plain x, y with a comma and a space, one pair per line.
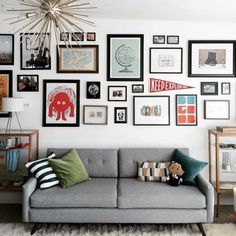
207, 189
28, 188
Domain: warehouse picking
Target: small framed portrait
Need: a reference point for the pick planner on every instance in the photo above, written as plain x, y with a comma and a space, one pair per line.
91, 36
7, 49
64, 36
93, 90
120, 115
77, 36
172, 39
27, 83
117, 93
209, 88
95, 115
225, 88
159, 39
137, 88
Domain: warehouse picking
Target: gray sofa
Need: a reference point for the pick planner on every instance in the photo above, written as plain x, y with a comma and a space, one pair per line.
114, 195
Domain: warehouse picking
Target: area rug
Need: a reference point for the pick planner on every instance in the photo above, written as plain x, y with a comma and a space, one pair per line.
19, 229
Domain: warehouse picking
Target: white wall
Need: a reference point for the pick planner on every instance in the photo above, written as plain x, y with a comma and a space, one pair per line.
127, 135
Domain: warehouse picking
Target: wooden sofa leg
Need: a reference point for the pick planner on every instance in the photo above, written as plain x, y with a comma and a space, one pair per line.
36, 227
201, 228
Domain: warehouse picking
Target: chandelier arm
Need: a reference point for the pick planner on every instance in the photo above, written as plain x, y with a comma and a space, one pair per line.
79, 5
45, 36
25, 10
24, 19
78, 18
30, 5
80, 8
56, 34
76, 13
67, 3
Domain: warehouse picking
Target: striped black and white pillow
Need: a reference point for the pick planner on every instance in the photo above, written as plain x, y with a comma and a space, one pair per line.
43, 172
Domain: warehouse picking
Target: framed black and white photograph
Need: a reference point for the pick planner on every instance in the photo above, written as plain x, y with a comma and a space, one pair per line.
172, 39
37, 58
64, 36
166, 60
95, 115
6, 49
137, 88
211, 58
209, 88
159, 39
151, 110
93, 90
225, 88
216, 109
117, 93
77, 36
120, 115
27, 83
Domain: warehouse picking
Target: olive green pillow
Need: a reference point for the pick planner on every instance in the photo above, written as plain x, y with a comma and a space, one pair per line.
69, 169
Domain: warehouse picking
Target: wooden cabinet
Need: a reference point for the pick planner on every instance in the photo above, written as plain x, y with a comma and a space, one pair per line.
222, 163
16, 148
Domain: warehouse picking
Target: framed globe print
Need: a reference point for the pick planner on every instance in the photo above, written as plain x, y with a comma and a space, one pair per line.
125, 57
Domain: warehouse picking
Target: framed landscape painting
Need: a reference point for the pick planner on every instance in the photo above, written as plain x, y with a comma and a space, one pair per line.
125, 57
61, 102
6, 49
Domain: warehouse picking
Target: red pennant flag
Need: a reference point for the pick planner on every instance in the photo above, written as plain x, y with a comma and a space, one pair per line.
158, 85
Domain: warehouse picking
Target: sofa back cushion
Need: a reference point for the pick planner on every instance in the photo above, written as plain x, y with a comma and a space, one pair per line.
98, 162
128, 158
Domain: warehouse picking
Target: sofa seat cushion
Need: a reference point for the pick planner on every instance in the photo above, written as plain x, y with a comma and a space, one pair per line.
97, 192
135, 194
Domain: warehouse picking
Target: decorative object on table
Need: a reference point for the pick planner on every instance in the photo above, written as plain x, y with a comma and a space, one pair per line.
91, 36
14, 105
172, 39
65, 36
125, 57
226, 129
209, 88
12, 159
151, 110
37, 58
93, 90
78, 59
117, 93
137, 88
95, 115
211, 58
159, 39
225, 88
7, 49
175, 174
27, 83
166, 60
120, 115
216, 109
5, 89
186, 110
159, 85
77, 36
61, 102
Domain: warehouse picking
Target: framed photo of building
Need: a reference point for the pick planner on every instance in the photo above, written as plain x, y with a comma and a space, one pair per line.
125, 57
117, 93
61, 103
6, 49
211, 58
120, 115
151, 110
225, 88
186, 110
95, 115
27, 83
93, 90
166, 60
209, 88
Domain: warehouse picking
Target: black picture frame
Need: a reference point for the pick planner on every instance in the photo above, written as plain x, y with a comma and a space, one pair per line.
91, 36
77, 36
7, 57
86, 122
27, 86
93, 90
222, 88
209, 88
116, 115
117, 94
137, 90
159, 39
172, 39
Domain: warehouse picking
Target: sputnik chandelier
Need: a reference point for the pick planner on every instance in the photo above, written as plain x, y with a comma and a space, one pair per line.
44, 18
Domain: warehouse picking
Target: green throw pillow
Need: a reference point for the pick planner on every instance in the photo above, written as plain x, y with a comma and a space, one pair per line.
191, 166
69, 169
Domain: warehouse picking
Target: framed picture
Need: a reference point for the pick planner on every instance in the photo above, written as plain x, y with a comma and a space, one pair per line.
209, 88
166, 60
125, 57
137, 88
7, 49
38, 58
95, 115
211, 58
159, 39
91, 36
225, 88
216, 109
186, 110
93, 90
172, 39
77, 36
64, 36
78, 59
5, 88
120, 115
151, 110
117, 93
61, 103
27, 83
